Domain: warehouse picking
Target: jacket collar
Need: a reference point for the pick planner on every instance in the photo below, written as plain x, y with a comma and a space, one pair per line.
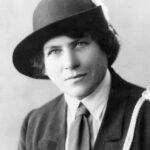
112, 125
118, 98
55, 135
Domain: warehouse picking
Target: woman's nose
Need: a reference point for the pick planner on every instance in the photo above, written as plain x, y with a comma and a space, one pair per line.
71, 60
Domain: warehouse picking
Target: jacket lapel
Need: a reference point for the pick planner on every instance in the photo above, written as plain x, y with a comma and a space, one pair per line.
55, 135
111, 132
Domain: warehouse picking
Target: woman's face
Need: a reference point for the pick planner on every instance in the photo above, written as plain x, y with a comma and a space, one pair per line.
75, 65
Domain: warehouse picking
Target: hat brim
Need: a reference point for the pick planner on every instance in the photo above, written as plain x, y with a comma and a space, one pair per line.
31, 45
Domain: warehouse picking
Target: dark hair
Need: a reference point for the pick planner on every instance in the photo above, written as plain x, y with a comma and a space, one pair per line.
107, 40
38, 65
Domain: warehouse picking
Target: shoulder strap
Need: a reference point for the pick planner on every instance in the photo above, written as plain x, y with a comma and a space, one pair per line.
130, 134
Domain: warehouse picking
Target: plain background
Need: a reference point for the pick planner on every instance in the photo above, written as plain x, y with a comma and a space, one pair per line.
20, 94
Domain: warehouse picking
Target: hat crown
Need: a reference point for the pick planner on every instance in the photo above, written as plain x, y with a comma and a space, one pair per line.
51, 11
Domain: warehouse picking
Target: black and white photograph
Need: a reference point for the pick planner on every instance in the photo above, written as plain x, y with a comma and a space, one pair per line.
74, 75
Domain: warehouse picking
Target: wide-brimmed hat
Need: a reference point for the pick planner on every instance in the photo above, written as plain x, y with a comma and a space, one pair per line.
52, 18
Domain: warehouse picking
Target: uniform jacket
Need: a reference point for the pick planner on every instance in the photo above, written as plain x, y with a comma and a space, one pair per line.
45, 128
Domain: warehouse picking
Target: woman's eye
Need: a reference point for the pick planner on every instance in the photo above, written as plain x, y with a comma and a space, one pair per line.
81, 44
54, 52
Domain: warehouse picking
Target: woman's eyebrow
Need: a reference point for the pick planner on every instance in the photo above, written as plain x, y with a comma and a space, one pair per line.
46, 48
74, 41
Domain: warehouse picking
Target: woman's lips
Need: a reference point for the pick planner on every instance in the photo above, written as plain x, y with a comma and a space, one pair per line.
76, 77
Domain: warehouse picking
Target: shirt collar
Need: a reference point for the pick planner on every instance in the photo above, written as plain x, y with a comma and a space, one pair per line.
95, 102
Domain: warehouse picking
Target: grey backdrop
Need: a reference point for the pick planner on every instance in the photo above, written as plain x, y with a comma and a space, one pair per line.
20, 94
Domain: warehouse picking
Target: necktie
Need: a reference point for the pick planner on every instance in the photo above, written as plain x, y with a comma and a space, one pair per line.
79, 138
